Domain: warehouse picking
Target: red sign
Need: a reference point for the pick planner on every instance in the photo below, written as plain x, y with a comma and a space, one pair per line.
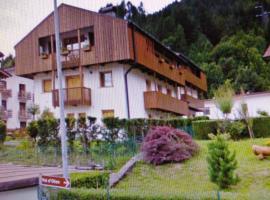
53, 181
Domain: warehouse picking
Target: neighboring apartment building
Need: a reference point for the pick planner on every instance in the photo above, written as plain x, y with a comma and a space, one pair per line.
111, 67
255, 102
15, 97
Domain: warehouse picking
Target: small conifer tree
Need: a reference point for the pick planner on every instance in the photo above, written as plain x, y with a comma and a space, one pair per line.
221, 163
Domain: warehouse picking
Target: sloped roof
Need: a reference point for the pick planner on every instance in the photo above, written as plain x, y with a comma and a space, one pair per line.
267, 52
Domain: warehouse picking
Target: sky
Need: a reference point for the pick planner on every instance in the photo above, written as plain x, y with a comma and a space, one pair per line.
19, 17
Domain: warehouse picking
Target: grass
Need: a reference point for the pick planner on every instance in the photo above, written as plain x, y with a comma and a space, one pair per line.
191, 178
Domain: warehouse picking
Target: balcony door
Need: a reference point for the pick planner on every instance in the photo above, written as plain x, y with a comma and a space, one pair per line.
74, 91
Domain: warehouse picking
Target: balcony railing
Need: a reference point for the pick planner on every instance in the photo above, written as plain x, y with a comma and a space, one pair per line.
68, 58
24, 96
2, 85
5, 114
24, 115
6, 94
159, 101
77, 96
199, 82
194, 103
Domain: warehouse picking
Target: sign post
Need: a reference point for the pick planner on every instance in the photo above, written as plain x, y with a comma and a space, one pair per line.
62, 129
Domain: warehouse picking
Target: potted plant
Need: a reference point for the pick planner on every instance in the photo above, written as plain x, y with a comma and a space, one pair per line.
64, 51
87, 47
44, 55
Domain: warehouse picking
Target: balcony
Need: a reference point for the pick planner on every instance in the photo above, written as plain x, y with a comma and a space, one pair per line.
199, 82
5, 114
24, 115
68, 58
159, 101
24, 96
6, 94
78, 96
3, 85
193, 103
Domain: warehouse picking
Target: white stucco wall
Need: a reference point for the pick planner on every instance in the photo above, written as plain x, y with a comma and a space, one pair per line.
137, 87
255, 102
102, 98
106, 98
13, 102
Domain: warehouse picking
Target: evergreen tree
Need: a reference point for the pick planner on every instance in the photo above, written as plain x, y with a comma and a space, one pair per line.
221, 163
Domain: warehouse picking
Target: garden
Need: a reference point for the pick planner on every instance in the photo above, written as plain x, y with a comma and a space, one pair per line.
182, 158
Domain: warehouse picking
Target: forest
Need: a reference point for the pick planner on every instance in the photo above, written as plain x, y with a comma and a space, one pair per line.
226, 38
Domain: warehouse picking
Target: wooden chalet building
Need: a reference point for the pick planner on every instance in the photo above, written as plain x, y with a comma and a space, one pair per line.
111, 67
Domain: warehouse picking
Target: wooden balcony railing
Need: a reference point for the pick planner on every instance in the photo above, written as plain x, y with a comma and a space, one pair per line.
24, 115
24, 96
196, 104
68, 58
6, 94
199, 82
77, 96
159, 101
5, 114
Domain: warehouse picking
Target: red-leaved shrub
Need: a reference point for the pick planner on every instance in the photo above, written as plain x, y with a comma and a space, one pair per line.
164, 144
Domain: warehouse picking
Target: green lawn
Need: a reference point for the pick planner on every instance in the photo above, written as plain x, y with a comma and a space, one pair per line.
190, 179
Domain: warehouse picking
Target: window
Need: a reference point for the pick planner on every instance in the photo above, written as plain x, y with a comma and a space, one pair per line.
106, 79
47, 86
70, 115
169, 92
148, 85
22, 87
22, 124
206, 111
4, 104
107, 113
82, 115
22, 107
159, 88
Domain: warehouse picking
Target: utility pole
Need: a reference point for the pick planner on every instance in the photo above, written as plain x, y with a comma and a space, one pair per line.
62, 129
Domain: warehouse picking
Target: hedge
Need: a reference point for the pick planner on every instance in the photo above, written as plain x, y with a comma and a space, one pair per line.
3, 132
118, 194
202, 128
140, 126
94, 179
261, 127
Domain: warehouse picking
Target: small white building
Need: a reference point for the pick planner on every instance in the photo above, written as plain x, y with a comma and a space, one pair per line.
16, 95
255, 102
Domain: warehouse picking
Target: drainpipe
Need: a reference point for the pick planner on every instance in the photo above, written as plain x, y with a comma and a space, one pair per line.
129, 70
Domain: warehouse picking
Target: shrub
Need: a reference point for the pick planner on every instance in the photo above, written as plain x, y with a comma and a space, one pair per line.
221, 163
263, 113
94, 179
71, 131
202, 128
3, 132
48, 131
236, 129
113, 125
164, 144
32, 130
261, 127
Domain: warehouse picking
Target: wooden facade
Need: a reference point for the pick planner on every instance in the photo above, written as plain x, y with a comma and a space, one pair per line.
114, 40
111, 40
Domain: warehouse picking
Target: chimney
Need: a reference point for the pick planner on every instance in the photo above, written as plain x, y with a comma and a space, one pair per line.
108, 10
